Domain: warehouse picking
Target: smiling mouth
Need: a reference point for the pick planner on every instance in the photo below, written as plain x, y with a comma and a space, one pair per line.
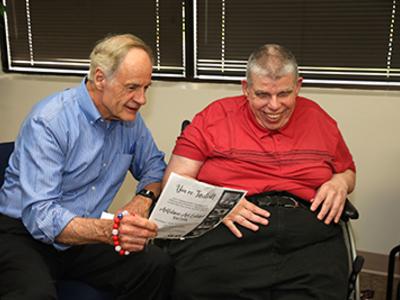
132, 108
273, 117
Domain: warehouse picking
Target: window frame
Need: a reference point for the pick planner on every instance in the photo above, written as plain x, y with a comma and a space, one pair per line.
189, 60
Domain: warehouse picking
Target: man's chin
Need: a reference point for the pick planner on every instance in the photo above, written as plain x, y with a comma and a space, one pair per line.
272, 125
130, 119
127, 117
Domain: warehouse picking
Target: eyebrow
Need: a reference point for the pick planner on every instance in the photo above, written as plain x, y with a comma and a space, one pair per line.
260, 92
137, 84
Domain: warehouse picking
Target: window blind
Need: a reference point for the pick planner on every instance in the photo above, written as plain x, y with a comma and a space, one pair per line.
57, 36
335, 42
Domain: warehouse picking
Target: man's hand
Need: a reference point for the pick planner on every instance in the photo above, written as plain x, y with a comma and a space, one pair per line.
135, 231
246, 214
139, 205
331, 196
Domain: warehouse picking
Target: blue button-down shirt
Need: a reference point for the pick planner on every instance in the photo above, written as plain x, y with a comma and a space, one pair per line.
70, 162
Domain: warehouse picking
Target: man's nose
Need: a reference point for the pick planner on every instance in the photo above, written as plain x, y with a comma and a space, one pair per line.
140, 97
273, 103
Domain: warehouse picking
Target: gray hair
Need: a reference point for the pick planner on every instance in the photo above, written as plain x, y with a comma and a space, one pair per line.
109, 52
272, 61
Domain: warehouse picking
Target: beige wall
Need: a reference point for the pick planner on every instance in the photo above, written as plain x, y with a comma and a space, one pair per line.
369, 121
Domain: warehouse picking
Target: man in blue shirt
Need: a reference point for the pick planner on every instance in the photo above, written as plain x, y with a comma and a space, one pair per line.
71, 156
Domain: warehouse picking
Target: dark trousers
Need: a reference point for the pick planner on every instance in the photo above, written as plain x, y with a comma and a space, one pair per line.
295, 257
29, 268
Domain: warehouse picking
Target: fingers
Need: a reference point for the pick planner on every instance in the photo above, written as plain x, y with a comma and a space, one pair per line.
231, 226
317, 200
139, 222
251, 214
331, 198
132, 244
257, 210
331, 203
135, 231
339, 214
247, 215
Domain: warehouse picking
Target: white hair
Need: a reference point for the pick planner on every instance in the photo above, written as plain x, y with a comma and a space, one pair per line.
273, 61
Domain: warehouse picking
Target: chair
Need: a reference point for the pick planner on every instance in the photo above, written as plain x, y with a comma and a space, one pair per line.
66, 289
355, 261
390, 277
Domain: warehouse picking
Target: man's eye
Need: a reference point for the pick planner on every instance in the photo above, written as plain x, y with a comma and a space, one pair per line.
262, 95
132, 87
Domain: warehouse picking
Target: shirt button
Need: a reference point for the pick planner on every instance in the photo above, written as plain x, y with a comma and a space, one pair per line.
91, 122
104, 164
93, 188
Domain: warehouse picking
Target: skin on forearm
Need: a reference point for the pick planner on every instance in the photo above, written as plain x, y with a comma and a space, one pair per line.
182, 166
348, 177
86, 231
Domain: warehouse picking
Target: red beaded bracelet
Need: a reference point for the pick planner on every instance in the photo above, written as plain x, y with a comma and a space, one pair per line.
115, 233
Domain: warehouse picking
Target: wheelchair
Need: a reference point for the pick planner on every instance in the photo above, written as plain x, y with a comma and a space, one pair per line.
355, 261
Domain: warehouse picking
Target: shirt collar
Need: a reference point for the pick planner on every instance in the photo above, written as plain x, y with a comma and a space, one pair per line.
86, 103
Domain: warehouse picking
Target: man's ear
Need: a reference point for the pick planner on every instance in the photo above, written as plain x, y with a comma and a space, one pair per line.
245, 87
99, 79
298, 84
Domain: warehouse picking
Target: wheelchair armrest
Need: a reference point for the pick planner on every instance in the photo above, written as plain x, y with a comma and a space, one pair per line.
349, 211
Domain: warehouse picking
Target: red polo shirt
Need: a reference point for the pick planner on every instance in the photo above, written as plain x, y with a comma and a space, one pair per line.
237, 152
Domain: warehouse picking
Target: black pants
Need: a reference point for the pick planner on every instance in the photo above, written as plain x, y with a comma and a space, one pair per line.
295, 257
29, 268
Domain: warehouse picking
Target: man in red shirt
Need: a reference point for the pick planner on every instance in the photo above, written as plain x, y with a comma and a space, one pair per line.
283, 241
